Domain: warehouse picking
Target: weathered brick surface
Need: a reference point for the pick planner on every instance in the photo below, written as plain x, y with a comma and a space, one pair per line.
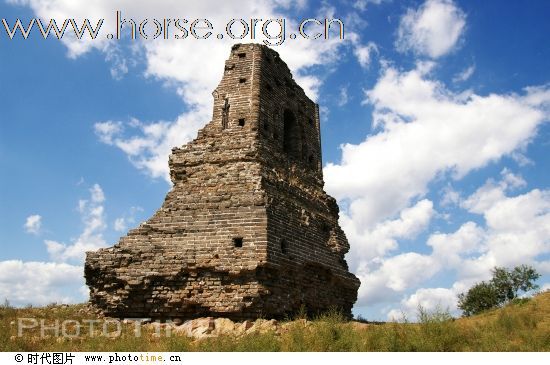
247, 229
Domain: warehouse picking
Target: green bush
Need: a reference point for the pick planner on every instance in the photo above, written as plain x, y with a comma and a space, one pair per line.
504, 287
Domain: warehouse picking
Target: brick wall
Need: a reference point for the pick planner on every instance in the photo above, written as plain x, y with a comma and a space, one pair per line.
247, 229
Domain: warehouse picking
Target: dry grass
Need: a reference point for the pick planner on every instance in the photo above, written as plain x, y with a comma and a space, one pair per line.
521, 326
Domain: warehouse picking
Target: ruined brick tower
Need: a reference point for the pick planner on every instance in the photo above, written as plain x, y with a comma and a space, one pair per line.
247, 229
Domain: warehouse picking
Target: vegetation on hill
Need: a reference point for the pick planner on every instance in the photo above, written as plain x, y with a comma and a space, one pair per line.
504, 286
522, 325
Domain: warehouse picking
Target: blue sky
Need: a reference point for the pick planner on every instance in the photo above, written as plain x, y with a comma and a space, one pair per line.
434, 129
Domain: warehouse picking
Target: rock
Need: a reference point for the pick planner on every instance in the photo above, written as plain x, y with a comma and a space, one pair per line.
263, 326
243, 327
196, 328
223, 326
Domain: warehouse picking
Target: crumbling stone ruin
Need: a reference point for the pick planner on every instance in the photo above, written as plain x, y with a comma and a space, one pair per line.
247, 230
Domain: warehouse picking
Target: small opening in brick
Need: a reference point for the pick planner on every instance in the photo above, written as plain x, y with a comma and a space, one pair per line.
242, 55
275, 136
241, 122
310, 159
284, 246
266, 126
238, 242
242, 80
310, 121
269, 87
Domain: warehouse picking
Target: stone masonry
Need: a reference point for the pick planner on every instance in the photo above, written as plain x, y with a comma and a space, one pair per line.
247, 230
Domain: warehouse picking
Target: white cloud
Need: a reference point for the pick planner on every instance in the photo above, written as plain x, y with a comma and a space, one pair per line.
491, 193
516, 231
40, 283
364, 53
181, 63
422, 132
393, 276
91, 238
465, 74
519, 227
33, 223
432, 30
511, 180
343, 96
430, 300
450, 196
362, 4
449, 249
521, 159
149, 145
107, 130
96, 194
372, 243
120, 224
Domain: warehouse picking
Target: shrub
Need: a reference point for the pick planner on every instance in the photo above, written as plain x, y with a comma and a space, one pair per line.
501, 289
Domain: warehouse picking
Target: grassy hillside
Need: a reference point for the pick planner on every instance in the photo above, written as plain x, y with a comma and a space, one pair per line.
522, 326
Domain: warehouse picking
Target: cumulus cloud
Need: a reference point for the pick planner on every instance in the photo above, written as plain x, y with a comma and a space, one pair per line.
372, 243
107, 130
149, 145
449, 196
427, 299
432, 30
33, 223
449, 248
61, 281
91, 238
364, 53
181, 63
516, 231
40, 283
385, 280
422, 132
518, 227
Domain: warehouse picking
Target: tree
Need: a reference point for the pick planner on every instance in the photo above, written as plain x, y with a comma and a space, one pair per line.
480, 297
502, 288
